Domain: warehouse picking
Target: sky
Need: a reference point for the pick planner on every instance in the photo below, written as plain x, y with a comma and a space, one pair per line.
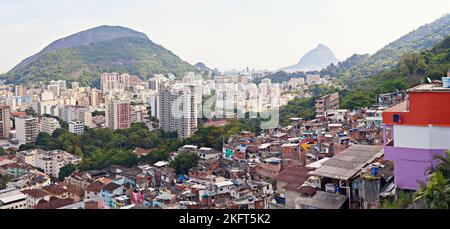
224, 34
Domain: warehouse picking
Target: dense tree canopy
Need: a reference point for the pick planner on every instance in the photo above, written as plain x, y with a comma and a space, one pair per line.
184, 162
66, 170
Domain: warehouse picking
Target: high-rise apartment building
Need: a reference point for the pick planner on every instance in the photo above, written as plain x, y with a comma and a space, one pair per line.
27, 129
116, 81
178, 110
117, 114
20, 90
76, 113
5, 122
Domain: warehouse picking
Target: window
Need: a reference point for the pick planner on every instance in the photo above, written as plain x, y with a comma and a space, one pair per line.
397, 118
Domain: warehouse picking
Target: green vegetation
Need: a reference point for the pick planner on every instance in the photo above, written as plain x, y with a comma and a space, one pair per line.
2, 151
184, 162
281, 76
155, 156
103, 147
410, 71
98, 113
360, 67
298, 108
4, 179
66, 171
30, 111
436, 194
402, 201
304, 107
214, 136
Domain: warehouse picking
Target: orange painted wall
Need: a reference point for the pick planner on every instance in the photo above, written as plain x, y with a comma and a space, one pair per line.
424, 108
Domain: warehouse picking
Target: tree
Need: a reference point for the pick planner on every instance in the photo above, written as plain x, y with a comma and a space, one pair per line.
98, 113
2, 151
443, 164
58, 132
66, 171
436, 194
4, 179
64, 125
30, 111
402, 201
184, 162
44, 140
27, 146
413, 63
154, 156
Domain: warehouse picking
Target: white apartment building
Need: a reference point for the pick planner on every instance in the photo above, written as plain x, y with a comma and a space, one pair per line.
178, 110
48, 125
52, 161
117, 82
76, 127
27, 129
77, 113
29, 156
153, 102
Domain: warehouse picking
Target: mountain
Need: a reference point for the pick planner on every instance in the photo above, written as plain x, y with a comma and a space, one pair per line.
85, 55
359, 67
314, 60
205, 70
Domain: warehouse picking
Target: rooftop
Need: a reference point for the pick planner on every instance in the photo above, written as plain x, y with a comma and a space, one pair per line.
349, 162
429, 88
323, 200
11, 195
401, 107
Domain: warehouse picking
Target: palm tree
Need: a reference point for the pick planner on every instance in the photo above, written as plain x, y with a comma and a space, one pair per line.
436, 194
443, 164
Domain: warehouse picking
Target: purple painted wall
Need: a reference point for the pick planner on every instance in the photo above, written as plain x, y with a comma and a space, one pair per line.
410, 165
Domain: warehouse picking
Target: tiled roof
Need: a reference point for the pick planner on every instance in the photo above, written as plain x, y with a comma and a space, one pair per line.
54, 203
35, 193
95, 187
111, 187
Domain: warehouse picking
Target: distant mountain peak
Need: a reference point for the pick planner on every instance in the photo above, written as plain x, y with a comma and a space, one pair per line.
314, 60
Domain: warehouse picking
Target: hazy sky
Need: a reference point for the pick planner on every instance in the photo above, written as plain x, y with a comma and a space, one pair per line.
261, 34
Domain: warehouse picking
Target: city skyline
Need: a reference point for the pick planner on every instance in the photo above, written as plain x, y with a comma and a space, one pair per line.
223, 34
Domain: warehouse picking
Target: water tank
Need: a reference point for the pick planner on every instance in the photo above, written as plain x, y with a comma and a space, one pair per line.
330, 187
446, 82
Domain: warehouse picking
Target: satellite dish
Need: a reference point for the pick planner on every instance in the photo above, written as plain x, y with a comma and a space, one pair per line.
429, 80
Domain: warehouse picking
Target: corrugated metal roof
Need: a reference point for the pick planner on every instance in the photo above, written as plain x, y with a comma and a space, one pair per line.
349, 162
323, 200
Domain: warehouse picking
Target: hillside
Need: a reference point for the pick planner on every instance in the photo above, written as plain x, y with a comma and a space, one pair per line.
432, 63
363, 93
359, 67
280, 77
85, 55
314, 60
